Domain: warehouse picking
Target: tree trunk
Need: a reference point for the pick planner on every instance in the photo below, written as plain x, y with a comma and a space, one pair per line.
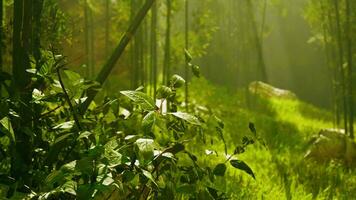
1, 39
187, 48
86, 38
140, 48
36, 32
341, 61
327, 50
132, 47
21, 153
349, 67
333, 54
91, 44
166, 67
257, 42
136, 47
144, 54
154, 47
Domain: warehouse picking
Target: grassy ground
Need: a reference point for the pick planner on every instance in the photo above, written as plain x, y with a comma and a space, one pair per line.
286, 126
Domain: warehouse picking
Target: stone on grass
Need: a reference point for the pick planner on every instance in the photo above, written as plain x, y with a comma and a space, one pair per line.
268, 91
332, 144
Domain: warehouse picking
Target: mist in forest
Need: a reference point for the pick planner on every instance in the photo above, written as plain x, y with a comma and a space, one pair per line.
177, 99
234, 39
291, 60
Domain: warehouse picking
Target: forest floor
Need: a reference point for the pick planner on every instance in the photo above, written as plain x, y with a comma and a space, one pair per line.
286, 126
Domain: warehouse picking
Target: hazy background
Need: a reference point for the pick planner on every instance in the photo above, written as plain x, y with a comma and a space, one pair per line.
292, 61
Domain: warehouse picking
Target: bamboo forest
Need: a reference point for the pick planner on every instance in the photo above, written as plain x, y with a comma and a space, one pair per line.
177, 99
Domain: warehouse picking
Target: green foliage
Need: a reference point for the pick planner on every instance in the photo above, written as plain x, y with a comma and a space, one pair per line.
243, 166
285, 127
186, 117
195, 68
177, 81
220, 169
164, 92
123, 148
140, 99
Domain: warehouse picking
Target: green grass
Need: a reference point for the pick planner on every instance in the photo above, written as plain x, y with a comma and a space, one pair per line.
286, 126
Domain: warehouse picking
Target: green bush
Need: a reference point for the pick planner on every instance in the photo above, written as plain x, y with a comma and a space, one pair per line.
123, 148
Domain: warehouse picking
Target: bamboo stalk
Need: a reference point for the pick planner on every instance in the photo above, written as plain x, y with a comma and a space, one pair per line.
110, 63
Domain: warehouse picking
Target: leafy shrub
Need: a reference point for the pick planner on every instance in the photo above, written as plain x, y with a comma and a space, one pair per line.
127, 147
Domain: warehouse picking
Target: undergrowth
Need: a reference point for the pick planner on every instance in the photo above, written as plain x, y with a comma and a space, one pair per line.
286, 126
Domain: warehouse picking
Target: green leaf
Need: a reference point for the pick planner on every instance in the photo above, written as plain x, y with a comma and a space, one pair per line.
58, 57
164, 92
204, 194
188, 57
131, 138
210, 152
176, 148
65, 125
148, 121
37, 95
186, 189
85, 191
177, 81
127, 176
6, 123
219, 169
241, 165
239, 149
187, 117
45, 70
144, 149
149, 176
70, 187
4, 109
141, 99
31, 71
72, 76
62, 137
85, 165
84, 134
252, 128
144, 144
124, 112
213, 192
69, 167
108, 181
160, 156
196, 70
88, 84
80, 100
112, 144
140, 88
220, 122
247, 140
114, 157
55, 176
96, 151
221, 135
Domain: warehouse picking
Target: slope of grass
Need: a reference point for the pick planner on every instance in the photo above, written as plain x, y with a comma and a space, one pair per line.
286, 126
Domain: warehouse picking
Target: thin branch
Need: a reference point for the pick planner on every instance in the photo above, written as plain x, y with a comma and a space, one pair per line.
66, 96
50, 111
